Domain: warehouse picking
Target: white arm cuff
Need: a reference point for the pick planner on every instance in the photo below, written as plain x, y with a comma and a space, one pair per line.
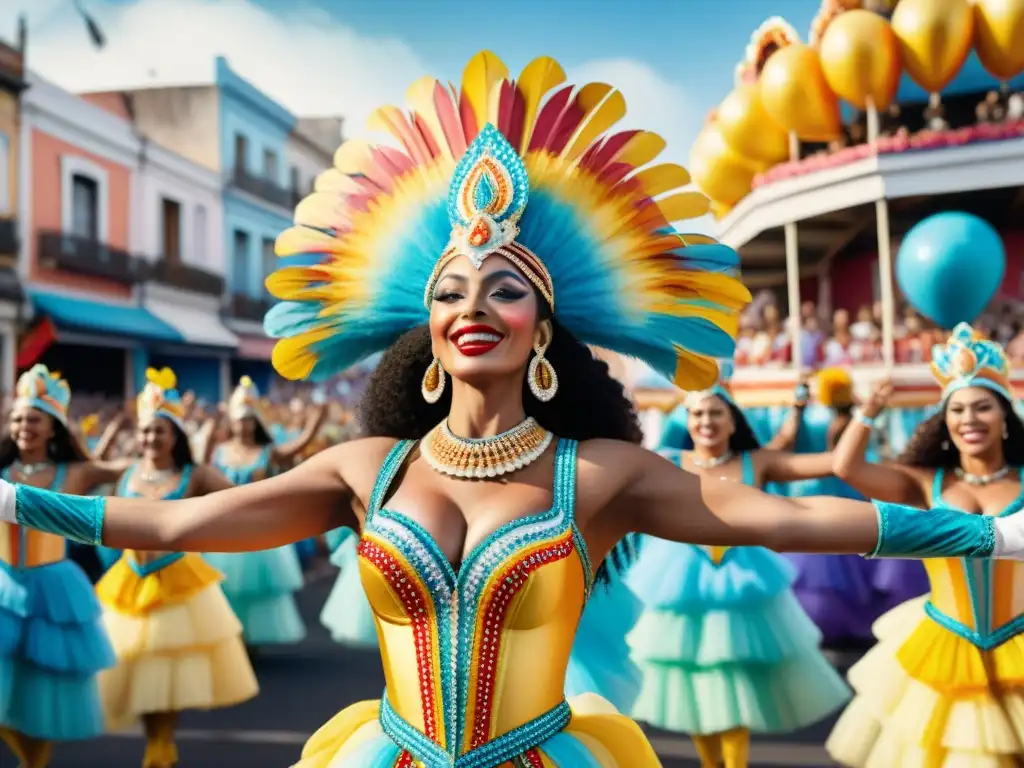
1009, 538
8, 503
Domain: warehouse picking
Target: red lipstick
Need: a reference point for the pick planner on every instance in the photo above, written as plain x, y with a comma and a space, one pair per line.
473, 340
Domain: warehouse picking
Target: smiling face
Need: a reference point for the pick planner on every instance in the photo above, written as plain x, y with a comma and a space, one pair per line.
975, 420
483, 323
710, 424
244, 427
31, 429
156, 438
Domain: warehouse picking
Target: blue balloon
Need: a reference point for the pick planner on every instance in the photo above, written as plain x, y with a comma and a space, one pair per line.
950, 266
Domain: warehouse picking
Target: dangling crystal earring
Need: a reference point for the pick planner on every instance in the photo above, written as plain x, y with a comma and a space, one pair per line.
543, 380
433, 382
945, 445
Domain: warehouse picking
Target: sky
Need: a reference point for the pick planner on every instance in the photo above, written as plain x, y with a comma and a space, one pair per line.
673, 60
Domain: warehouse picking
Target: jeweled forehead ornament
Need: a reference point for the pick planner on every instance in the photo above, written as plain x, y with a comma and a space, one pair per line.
487, 196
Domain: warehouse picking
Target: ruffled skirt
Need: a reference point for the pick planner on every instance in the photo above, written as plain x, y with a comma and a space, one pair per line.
928, 698
261, 588
724, 646
177, 640
346, 613
597, 737
52, 645
600, 661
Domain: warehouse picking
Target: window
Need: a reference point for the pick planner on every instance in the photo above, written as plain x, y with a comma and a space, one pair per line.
268, 263
5, 174
241, 152
170, 214
85, 207
240, 272
269, 164
296, 182
199, 232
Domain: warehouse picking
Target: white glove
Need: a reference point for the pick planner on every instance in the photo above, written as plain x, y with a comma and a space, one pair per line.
1009, 538
8, 510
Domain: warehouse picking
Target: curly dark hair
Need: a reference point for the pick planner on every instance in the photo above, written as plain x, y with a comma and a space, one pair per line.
63, 448
181, 453
590, 404
925, 447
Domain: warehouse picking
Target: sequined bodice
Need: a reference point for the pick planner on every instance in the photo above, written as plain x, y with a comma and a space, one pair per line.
981, 600
25, 548
475, 659
244, 474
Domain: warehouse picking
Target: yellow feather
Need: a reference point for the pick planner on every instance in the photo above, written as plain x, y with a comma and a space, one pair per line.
642, 149
659, 179
539, 77
694, 372
696, 239
684, 205
297, 240
478, 79
324, 210
354, 157
333, 180
421, 99
604, 107
293, 358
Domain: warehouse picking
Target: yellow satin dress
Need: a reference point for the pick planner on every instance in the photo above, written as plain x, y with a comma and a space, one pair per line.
944, 686
475, 660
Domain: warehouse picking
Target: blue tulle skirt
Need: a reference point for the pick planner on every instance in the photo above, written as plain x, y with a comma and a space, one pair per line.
261, 588
600, 661
726, 645
53, 644
346, 613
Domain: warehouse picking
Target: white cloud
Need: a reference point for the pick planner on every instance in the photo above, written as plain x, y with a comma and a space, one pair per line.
304, 59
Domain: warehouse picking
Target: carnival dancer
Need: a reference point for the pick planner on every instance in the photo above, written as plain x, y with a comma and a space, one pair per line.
724, 647
844, 594
52, 643
177, 640
261, 586
502, 463
944, 686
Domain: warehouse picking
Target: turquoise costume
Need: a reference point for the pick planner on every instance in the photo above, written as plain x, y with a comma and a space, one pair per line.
347, 613
723, 643
261, 586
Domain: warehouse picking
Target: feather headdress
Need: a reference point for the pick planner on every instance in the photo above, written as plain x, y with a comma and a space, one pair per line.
245, 402
44, 390
835, 387
970, 360
527, 169
720, 388
159, 398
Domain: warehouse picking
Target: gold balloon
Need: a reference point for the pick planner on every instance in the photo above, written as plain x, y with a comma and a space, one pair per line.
860, 57
797, 97
747, 127
999, 36
718, 171
935, 39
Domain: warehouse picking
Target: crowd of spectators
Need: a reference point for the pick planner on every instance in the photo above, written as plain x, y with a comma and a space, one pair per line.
855, 338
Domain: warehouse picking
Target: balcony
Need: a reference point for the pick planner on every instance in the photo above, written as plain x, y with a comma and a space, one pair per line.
265, 189
84, 256
245, 307
186, 277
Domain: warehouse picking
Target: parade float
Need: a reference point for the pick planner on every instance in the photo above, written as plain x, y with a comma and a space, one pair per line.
829, 151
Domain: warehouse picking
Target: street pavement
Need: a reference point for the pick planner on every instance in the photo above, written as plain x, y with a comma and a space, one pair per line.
303, 686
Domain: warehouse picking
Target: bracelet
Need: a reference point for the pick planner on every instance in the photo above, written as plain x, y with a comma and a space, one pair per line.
867, 421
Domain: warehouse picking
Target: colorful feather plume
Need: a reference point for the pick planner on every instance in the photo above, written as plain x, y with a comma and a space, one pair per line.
600, 216
835, 388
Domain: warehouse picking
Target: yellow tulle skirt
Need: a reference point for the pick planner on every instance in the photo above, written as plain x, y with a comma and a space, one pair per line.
177, 641
928, 698
354, 739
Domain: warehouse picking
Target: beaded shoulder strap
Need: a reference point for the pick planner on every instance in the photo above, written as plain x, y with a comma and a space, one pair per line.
126, 476
937, 483
388, 470
182, 488
565, 476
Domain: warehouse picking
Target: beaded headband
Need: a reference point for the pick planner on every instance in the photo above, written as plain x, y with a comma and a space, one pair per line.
486, 198
45, 391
